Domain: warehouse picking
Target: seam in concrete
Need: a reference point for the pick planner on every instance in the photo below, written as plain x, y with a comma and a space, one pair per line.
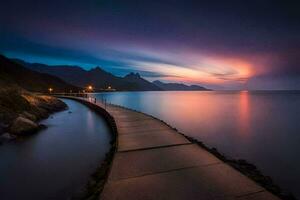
143, 132
163, 172
138, 125
156, 147
134, 120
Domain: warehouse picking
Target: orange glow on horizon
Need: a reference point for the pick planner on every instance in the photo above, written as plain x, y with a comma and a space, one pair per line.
209, 70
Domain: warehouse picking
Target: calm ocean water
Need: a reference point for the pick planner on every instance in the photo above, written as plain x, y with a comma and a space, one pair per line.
261, 127
58, 161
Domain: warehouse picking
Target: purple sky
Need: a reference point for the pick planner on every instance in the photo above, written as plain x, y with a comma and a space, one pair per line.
219, 44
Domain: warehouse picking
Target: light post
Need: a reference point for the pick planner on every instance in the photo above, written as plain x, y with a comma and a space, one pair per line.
89, 89
50, 90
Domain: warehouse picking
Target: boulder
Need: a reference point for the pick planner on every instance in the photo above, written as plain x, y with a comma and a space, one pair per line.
2, 128
22, 125
29, 116
6, 137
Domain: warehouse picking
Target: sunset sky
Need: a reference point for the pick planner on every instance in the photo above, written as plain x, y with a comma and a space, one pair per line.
218, 44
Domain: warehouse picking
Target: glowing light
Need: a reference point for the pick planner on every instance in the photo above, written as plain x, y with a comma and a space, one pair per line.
90, 88
50, 90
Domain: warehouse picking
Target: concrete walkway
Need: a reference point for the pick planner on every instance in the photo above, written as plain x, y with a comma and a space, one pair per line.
155, 162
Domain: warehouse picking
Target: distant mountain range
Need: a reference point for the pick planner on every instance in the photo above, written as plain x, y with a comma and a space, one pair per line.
96, 77
142, 83
178, 86
15, 75
101, 79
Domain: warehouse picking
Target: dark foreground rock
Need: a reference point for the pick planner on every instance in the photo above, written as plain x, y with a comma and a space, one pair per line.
23, 125
6, 137
20, 111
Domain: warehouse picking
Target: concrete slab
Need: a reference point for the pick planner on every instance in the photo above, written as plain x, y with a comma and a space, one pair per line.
142, 129
124, 111
150, 122
139, 163
206, 183
119, 111
125, 117
148, 140
125, 114
149, 131
131, 120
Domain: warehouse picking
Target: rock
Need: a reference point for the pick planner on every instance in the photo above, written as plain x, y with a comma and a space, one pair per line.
51, 104
7, 137
2, 128
29, 116
40, 113
22, 125
42, 126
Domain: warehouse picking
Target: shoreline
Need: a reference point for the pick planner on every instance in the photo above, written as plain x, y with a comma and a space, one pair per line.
22, 112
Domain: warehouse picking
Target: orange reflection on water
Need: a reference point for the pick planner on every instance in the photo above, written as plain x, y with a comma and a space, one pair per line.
244, 110
194, 107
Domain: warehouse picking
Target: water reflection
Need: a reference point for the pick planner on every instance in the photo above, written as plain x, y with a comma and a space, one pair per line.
90, 121
244, 113
50, 165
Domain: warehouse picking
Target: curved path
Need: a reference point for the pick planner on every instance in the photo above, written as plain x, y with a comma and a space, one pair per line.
153, 161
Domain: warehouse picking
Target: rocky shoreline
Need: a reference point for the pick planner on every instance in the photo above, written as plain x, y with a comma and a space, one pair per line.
21, 111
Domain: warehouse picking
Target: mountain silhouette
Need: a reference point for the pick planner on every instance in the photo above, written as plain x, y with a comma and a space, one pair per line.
178, 86
97, 77
15, 75
102, 80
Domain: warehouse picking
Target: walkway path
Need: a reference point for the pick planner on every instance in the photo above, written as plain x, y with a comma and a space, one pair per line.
154, 162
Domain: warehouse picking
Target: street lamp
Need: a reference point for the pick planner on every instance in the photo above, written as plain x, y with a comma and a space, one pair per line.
90, 88
50, 90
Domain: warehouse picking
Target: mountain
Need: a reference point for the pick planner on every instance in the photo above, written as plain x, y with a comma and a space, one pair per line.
101, 79
178, 86
14, 74
140, 82
97, 77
